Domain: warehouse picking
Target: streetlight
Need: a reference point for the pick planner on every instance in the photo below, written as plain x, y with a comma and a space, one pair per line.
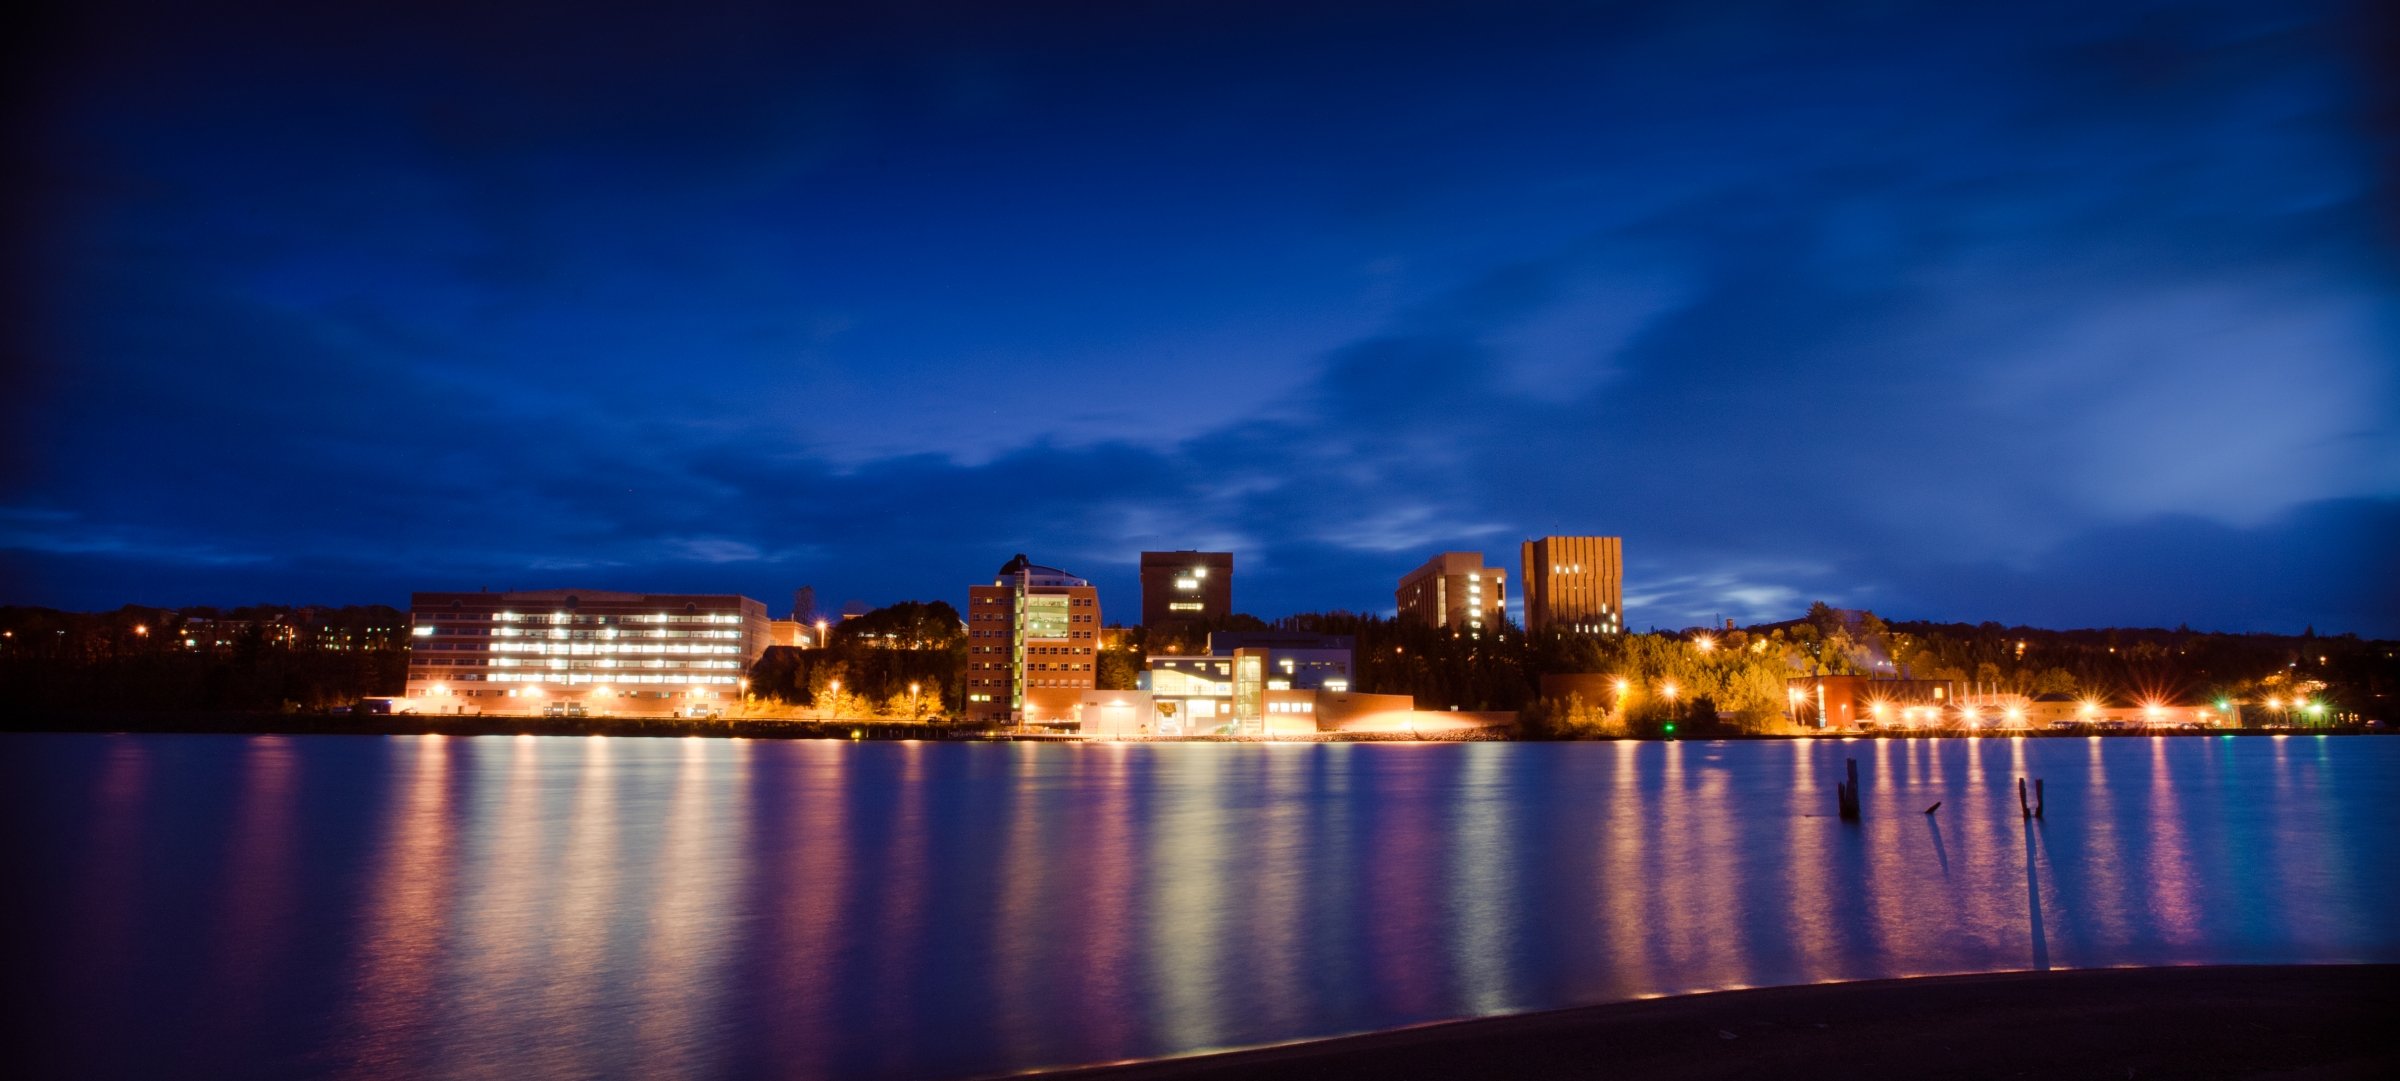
820, 634
912, 700
835, 696
1707, 643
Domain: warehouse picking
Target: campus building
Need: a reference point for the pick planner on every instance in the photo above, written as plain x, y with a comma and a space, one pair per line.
1249, 683
1454, 590
1296, 660
1182, 587
590, 650
1574, 584
1033, 639
1849, 701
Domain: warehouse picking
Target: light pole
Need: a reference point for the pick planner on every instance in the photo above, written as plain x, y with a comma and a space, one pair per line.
833, 698
912, 702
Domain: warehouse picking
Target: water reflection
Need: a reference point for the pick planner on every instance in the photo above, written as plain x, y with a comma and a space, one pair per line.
565, 908
2033, 901
405, 919
257, 897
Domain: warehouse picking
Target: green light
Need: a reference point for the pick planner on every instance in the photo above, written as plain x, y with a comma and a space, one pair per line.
1670, 728
2223, 706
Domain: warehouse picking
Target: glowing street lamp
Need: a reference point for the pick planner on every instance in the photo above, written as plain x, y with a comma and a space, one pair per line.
820, 634
912, 700
1706, 643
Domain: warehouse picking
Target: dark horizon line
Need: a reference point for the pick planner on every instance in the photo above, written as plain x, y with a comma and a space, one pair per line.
2309, 630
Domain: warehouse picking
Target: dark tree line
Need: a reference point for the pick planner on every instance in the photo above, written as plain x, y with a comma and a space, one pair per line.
142, 658
869, 663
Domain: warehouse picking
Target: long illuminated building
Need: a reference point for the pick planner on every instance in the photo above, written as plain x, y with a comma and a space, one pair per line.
608, 652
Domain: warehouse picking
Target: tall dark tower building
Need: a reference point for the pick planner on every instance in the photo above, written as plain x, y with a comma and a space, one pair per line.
1181, 587
1574, 584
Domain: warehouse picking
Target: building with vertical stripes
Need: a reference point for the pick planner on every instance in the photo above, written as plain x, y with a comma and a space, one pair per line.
1574, 584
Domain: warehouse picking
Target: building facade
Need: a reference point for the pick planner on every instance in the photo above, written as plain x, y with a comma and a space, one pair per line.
1850, 701
1179, 587
1033, 639
1574, 584
594, 651
1455, 591
1296, 660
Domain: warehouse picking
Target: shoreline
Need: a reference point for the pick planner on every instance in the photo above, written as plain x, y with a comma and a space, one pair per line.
2224, 1021
264, 723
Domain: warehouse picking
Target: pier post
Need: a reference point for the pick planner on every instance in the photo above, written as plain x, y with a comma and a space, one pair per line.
2037, 797
2027, 808
1846, 793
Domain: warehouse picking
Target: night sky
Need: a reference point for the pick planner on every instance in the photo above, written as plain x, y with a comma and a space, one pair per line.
2071, 314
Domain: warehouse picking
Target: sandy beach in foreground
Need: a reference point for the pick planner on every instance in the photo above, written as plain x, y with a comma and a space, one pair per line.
2303, 1023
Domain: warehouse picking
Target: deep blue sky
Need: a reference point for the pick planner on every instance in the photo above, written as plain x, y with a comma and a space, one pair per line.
2072, 314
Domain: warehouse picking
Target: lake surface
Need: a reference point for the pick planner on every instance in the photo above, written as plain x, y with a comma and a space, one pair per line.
521, 907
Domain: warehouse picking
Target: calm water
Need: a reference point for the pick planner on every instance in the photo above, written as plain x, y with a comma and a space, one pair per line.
555, 907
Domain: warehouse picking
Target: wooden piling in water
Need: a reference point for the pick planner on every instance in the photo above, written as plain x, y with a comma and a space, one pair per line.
2021, 804
2037, 797
1846, 793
